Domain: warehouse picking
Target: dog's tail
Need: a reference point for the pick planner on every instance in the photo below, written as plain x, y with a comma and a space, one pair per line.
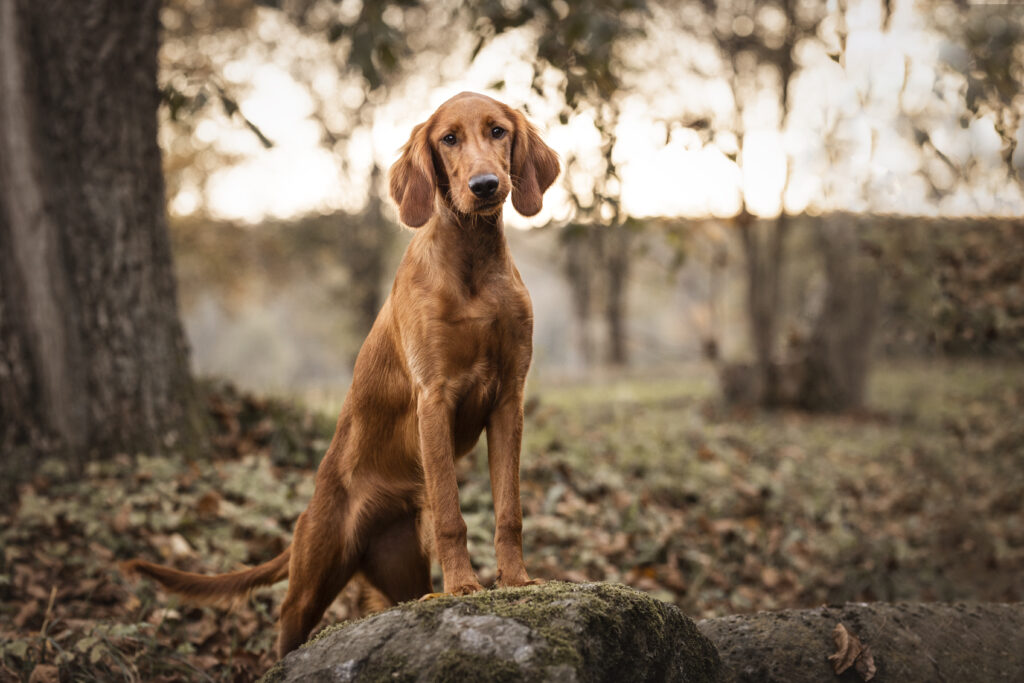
212, 590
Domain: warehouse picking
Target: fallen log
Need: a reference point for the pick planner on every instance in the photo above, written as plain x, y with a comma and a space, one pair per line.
909, 643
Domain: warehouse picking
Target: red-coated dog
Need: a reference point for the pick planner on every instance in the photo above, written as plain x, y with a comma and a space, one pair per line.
446, 359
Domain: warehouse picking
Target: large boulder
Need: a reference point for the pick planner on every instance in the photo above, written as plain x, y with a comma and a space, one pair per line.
555, 632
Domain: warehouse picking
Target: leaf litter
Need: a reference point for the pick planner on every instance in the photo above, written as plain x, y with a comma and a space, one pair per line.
648, 482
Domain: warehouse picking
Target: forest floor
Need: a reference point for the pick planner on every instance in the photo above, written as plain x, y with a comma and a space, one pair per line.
650, 482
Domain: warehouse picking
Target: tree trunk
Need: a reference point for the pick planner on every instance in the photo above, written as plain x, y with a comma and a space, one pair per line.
764, 249
616, 259
579, 267
365, 253
835, 369
92, 354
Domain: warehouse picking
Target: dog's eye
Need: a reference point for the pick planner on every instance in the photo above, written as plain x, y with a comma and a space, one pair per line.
497, 132
449, 139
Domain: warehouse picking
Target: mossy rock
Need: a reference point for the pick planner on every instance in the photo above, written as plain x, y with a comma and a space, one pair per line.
556, 632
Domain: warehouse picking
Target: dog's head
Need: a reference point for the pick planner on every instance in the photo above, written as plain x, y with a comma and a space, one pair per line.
472, 151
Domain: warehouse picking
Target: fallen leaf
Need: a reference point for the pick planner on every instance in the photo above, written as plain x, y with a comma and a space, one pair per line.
848, 648
865, 664
179, 547
158, 616
851, 652
44, 673
27, 611
209, 505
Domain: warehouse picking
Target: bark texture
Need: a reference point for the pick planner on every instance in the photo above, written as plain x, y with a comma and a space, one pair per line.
557, 632
911, 643
92, 354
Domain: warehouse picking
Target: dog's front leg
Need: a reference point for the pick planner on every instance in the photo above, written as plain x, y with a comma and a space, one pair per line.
437, 454
504, 440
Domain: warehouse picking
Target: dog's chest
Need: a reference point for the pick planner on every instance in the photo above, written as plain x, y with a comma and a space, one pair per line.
498, 323
487, 342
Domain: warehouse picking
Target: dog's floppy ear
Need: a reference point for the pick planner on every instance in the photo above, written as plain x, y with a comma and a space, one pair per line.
412, 180
534, 167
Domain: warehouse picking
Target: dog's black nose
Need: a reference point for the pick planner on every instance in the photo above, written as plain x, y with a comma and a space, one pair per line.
484, 185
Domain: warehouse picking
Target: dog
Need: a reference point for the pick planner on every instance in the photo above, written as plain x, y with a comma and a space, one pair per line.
445, 360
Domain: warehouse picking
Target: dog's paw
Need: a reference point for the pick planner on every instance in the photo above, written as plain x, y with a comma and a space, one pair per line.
461, 589
432, 596
517, 582
466, 588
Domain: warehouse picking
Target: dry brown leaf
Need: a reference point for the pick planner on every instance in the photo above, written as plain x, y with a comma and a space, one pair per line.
122, 521
847, 649
208, 506
770, 577
158, 616
44, 673
27, 611
179, 547
865, 664
851, 652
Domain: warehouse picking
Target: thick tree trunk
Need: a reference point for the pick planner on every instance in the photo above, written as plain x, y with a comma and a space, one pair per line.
828, 371
597, 269
92, 354
835, 369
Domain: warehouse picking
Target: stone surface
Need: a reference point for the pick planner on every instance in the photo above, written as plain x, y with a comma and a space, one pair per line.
556, 632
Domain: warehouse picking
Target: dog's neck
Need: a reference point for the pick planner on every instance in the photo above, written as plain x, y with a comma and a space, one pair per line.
461, 232
472, 245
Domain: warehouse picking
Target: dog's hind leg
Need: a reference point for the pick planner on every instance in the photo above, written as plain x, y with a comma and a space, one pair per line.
322, 562
396, 563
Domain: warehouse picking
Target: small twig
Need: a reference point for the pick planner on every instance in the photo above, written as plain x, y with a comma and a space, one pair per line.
49, 611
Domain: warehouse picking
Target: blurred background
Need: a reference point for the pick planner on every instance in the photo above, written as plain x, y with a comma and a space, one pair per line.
788, 192
778, 290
